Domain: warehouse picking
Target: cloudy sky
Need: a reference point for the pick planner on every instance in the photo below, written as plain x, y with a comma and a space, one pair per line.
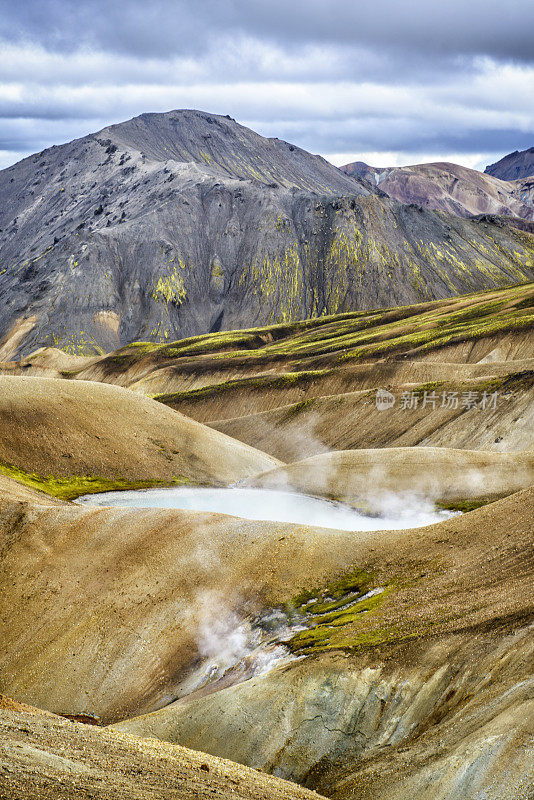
385, 81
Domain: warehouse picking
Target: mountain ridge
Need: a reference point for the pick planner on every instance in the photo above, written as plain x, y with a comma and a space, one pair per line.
519, 164
107, 240
452, 188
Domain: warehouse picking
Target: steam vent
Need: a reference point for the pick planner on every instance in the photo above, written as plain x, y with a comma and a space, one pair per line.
266, 414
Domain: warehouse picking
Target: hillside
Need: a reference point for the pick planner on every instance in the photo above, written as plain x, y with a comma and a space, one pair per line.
297, 390
519, 164
359, 663
104, 764
411, 681
73, 437
452, 188
139, 602
177, 224
404, 694
439, 474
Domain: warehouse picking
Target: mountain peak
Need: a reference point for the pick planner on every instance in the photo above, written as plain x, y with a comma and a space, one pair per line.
223, 146
455, 189
519, 164
171, 225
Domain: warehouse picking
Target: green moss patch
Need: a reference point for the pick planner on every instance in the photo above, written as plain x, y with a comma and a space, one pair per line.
390, 333
262, 382
347, 601
74, 486
464, 505
514, 381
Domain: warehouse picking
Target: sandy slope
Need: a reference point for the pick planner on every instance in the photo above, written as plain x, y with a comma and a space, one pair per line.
72, 428
351, 420
47, 758
443, 718
14, 491
437, 473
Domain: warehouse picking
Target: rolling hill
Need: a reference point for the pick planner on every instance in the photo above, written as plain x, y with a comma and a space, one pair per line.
360, 664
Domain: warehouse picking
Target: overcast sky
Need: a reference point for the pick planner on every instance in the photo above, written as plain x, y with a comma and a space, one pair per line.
384, 81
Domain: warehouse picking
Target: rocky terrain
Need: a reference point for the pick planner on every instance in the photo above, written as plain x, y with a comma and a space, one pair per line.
177, 224
139, 603
55, 759
454, 189
519, 164
358, 664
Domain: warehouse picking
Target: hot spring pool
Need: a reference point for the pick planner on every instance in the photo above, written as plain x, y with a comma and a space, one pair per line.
276, 506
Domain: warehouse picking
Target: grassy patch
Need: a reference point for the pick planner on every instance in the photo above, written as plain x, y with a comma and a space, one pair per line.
294, 410
514, 381
431, 386
347, 601
464, 505
74, 486
264, 382
392, 333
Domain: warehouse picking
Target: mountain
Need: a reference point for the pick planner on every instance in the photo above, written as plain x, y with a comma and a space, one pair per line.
442, 186
176, 224
519, 164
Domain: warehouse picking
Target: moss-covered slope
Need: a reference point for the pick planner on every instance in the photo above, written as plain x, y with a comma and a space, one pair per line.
414, 332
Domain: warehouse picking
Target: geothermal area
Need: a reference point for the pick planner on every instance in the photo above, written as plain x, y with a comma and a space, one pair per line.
266, 476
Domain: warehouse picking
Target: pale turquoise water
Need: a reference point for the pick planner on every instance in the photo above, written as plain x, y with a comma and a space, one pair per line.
277, 506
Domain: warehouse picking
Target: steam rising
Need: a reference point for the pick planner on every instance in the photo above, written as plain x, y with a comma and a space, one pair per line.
233, 647
232, 644
382, 511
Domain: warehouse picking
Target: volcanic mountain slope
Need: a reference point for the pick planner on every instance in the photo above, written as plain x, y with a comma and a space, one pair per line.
452, 188
481, 327
349, 420
177, 224
519, 164
300, 389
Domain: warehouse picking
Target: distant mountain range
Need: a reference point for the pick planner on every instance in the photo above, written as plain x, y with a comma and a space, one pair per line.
458, 190
176, 224
519, 164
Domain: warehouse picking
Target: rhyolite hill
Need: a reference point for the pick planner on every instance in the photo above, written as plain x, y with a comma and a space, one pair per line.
454, 189
414, 647
177, 224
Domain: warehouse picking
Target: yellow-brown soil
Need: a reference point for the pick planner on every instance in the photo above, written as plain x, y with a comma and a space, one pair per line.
58, 428
43, 757
439, 474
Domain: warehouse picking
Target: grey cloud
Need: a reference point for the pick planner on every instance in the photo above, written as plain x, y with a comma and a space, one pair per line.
409, 76
501, 30
373, 134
